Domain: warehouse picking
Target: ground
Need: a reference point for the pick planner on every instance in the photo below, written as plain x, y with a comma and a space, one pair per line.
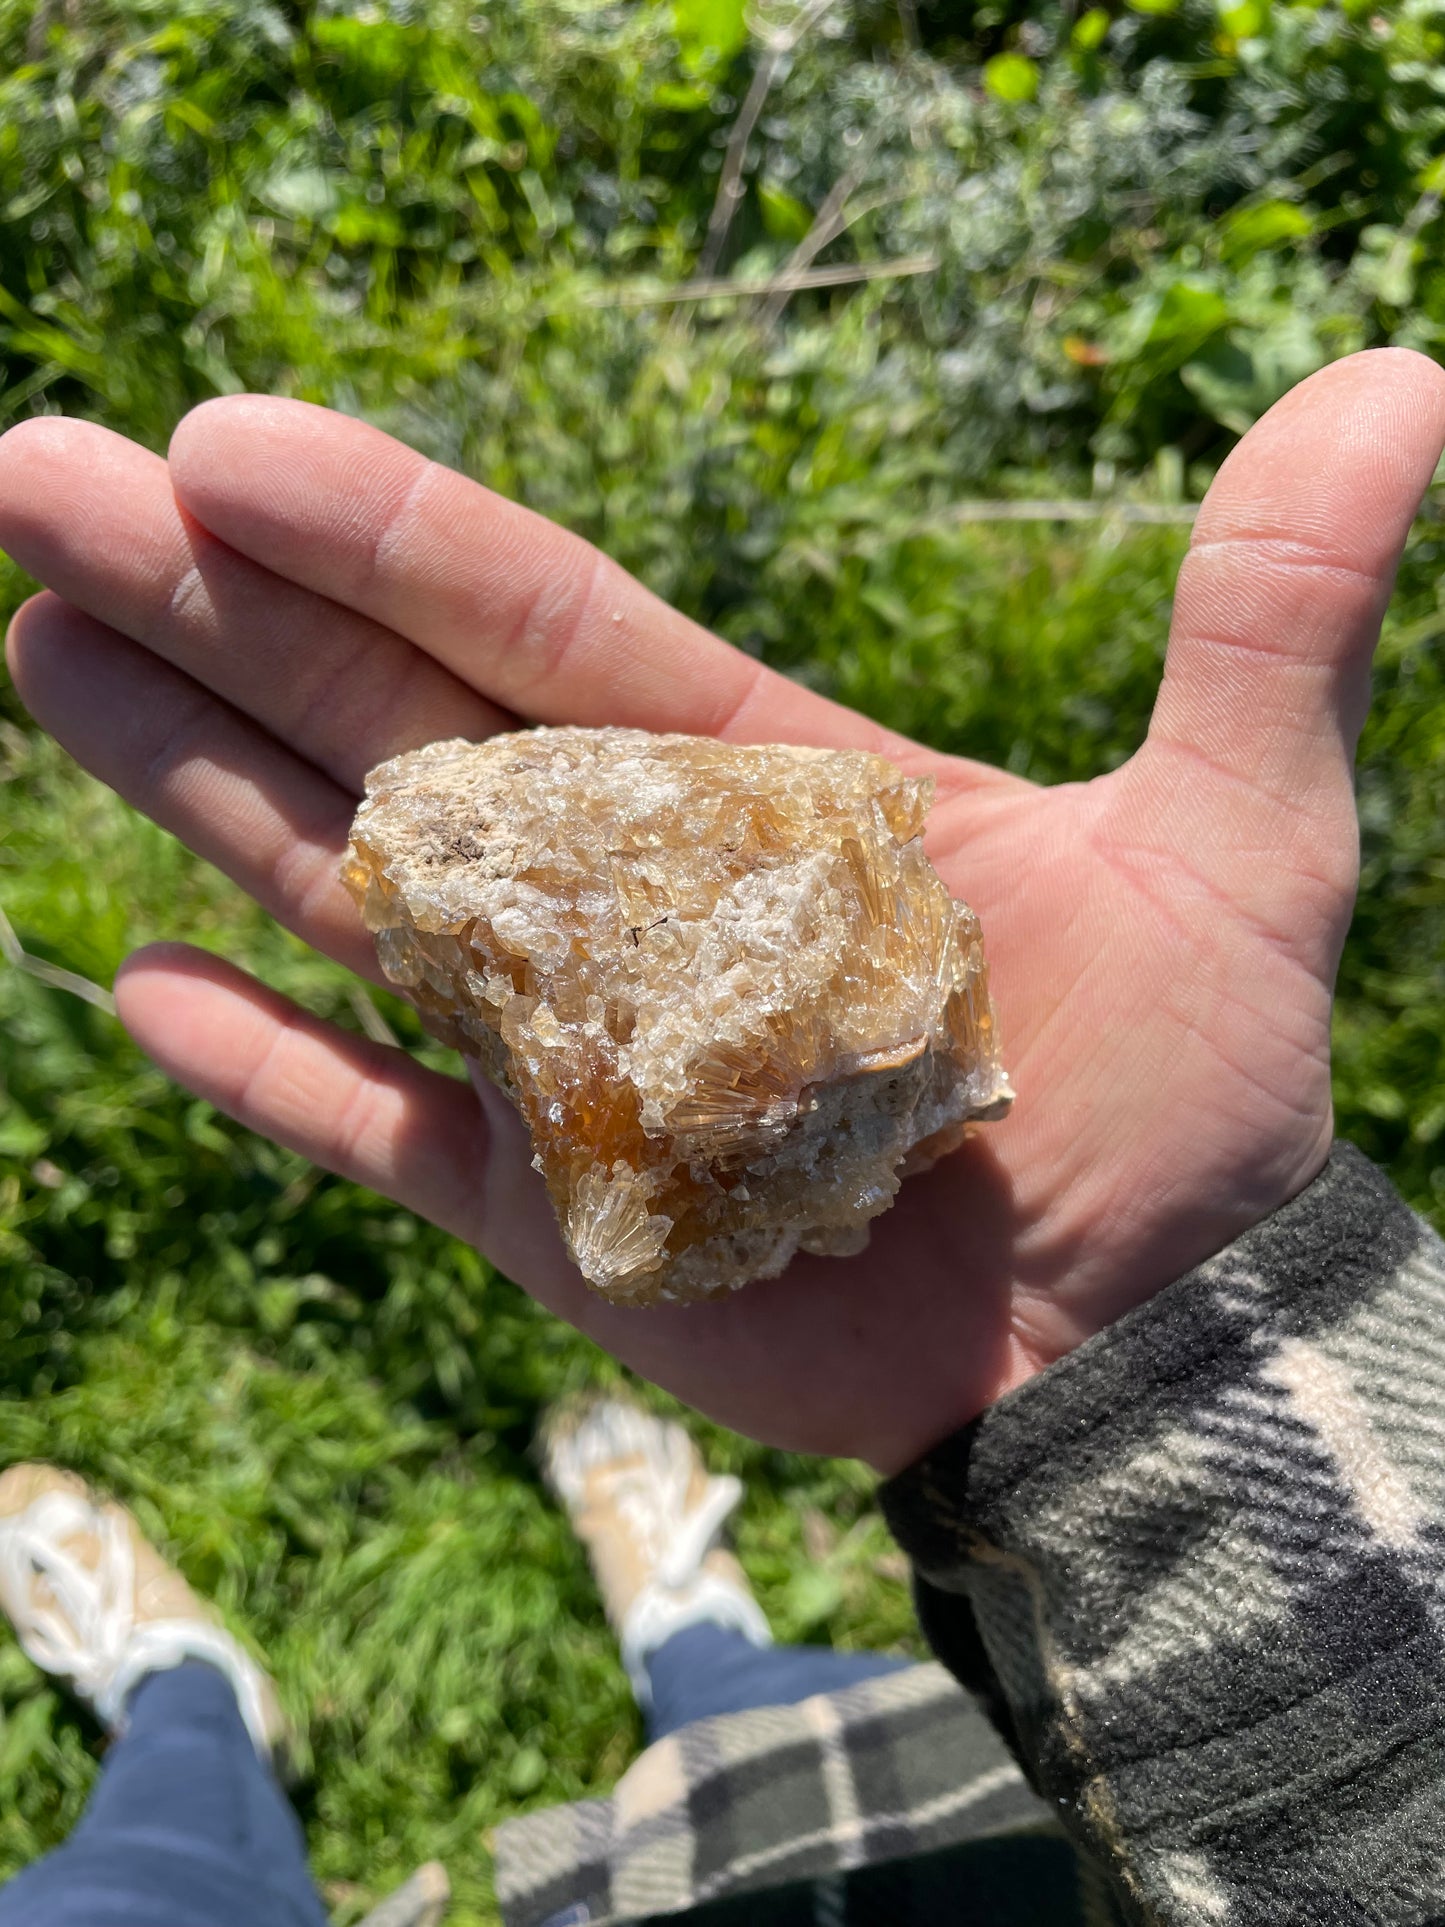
324, 1410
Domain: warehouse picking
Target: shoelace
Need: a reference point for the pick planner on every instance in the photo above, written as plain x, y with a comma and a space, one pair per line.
83, 1633
652, 1501
88, 1633
645, 1472
699, 1533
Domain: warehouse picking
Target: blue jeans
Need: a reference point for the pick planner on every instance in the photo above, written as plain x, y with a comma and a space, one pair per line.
710, 1669
188, 1828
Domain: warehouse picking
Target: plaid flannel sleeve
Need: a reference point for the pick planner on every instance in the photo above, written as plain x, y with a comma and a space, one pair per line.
1196, 1570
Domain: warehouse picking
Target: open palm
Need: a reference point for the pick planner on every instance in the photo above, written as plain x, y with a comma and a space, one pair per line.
233, 637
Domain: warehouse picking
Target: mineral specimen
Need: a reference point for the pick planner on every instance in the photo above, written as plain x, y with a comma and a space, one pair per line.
724, 986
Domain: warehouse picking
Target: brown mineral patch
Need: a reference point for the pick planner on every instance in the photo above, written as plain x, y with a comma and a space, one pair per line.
725, 987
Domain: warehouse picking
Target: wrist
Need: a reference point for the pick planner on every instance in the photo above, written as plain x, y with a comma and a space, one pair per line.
1110, 1249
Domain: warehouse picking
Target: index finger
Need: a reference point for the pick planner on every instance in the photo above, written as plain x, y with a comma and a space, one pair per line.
532, 616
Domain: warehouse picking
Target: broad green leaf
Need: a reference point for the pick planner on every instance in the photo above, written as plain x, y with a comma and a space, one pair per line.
527, 1771
784, 216
1243, 19
1382, 1100
1250, 230
1012, 77
190, 114
377, 52
680, 97
1240, 375
709, 32
21, 1136
1385, 264
1188, 308
358, 224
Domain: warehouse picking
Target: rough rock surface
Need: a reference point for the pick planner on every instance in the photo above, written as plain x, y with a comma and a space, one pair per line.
724, 986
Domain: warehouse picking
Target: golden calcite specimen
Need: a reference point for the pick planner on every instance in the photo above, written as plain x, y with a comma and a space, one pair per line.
724, 986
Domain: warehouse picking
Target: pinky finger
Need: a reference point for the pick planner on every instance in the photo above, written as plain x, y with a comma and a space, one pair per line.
360, 1109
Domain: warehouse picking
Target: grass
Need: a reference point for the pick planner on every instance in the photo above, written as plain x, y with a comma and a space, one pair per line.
420, 212
326, 1410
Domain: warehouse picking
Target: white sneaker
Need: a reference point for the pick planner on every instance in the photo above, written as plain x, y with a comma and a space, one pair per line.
93, 1603
640, 1499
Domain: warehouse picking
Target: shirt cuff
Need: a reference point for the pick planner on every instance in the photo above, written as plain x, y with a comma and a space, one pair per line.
1196, 1569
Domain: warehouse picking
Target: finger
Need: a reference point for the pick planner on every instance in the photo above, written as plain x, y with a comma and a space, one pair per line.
1276, 617
94, 517
377, 1117
241, 800
534, 617
1279, 601
362, 1110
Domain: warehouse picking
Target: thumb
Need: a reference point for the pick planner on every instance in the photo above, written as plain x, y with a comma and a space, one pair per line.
1246, 773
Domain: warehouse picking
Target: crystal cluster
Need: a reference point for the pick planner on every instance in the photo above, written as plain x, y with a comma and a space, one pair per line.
724, 986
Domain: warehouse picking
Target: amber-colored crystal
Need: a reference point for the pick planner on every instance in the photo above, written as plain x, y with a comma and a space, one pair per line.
724, 986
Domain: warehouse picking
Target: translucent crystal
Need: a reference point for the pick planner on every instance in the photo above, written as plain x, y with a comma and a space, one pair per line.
724, 986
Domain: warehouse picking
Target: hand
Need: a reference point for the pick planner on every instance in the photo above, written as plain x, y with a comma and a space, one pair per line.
232, 639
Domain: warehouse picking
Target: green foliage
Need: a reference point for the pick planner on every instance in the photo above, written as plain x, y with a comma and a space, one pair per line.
1148, 221
1390, 1018
1011, 77
324, 1408
363, 205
